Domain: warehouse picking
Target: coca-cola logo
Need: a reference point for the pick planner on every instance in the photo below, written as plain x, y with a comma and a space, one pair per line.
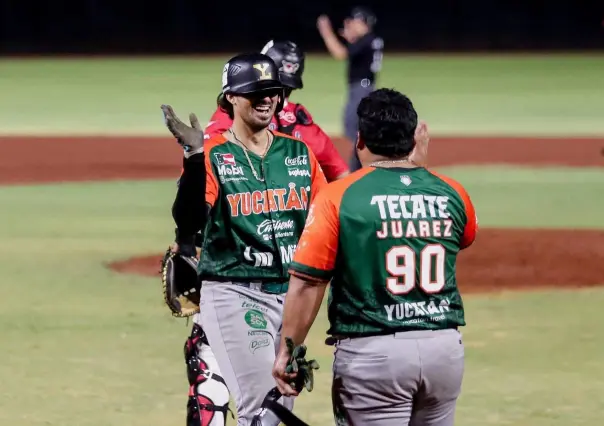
300, 160
269, 226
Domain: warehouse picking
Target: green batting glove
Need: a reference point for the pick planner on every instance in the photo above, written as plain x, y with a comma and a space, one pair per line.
299, 364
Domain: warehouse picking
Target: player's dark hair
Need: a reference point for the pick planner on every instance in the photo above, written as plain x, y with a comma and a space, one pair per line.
225, 105
387, 122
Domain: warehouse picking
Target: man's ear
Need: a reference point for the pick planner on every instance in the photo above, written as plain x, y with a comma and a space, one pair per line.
360, 145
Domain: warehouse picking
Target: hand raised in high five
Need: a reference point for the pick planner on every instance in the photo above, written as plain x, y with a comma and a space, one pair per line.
419, 155
324, 24
191, 138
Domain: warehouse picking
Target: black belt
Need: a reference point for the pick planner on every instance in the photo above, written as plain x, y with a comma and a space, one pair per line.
335, 338
264, 287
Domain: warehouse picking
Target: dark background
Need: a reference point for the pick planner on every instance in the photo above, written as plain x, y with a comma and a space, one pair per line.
184, 26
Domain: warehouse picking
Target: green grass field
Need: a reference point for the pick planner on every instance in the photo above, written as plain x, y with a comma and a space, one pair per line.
84, 346
554, 95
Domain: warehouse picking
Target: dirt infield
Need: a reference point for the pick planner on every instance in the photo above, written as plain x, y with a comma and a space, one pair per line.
37, 159
501, 259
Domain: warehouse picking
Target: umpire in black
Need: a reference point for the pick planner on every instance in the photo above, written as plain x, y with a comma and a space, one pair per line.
363, 51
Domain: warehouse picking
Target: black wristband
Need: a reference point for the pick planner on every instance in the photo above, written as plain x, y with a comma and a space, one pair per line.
186, 243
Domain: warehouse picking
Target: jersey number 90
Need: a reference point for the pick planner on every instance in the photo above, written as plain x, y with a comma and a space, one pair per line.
401, 265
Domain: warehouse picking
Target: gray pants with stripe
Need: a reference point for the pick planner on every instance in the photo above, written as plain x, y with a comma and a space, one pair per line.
243, 329
356, 92
412, 378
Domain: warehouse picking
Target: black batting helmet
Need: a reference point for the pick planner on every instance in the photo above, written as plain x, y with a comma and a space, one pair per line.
289, 58
249, 73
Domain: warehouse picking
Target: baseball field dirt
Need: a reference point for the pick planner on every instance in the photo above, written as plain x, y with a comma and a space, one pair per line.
502, 259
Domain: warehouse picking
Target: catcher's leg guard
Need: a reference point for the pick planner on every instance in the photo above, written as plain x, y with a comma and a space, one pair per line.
208, 401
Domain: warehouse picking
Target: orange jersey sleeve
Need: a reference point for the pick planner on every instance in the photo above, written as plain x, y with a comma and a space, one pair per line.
211, 180
317, 248
471, 227
219, 123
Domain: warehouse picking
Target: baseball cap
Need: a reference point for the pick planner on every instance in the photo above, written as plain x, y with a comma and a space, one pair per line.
364, 14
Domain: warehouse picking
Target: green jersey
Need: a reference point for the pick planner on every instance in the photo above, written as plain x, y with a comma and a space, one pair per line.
388, 238
258, 208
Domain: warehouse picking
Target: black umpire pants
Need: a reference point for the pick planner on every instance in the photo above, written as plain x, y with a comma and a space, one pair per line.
356, 91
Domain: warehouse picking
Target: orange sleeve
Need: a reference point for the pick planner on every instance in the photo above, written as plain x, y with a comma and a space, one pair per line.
317, 248
471, 227
211, 180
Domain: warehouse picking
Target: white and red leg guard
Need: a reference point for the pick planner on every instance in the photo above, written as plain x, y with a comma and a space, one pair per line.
208, 400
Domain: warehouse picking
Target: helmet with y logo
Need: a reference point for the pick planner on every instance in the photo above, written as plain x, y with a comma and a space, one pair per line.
251, 73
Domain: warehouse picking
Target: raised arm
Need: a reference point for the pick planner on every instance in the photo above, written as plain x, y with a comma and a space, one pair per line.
333, 44
196, 186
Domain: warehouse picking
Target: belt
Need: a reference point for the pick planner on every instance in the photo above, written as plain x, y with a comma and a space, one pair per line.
333, 339
264, 287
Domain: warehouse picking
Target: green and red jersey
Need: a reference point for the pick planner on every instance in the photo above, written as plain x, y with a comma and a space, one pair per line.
254, 226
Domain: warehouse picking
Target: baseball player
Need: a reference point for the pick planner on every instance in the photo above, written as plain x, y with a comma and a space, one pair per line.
294, 119
364, 52
388, 235
249, 189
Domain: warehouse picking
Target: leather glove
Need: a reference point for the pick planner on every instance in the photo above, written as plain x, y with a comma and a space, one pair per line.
180, 284
191, 138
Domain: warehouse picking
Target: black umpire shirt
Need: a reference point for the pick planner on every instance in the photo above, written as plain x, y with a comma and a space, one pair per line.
365, 58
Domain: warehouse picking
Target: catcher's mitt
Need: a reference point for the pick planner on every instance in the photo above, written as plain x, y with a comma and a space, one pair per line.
180, 284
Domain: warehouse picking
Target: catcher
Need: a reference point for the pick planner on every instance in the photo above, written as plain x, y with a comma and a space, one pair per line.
242, 178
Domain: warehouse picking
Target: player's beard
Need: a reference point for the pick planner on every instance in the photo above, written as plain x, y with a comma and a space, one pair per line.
260, 113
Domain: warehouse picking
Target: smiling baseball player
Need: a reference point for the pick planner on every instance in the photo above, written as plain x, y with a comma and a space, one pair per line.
294, 119
232, 184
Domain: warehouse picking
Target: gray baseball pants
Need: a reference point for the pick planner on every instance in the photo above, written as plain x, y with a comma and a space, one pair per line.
243, 329
412, 378
356, 92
